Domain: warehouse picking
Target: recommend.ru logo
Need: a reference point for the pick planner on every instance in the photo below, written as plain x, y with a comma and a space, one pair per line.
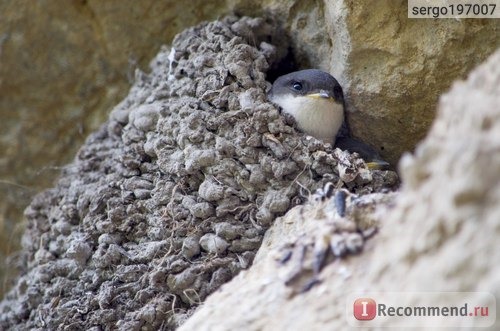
421, 309
365, 309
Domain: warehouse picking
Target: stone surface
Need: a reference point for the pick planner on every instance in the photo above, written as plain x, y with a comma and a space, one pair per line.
65, 65
264, 298
442, 234
171, 197
394, 68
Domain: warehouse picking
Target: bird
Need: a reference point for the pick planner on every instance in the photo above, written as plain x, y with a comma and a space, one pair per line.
315, 100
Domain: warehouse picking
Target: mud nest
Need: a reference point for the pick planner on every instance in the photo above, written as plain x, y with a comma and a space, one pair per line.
171, 197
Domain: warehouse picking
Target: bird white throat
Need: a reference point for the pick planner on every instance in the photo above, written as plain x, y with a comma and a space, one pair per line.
316, 116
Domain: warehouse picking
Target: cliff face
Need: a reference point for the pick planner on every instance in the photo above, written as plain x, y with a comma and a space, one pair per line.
65, 66
439, 234
171, 197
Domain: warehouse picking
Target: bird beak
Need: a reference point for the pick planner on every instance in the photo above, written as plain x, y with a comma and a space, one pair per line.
320, 95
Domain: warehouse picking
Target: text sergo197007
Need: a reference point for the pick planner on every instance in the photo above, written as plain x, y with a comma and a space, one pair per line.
454, 9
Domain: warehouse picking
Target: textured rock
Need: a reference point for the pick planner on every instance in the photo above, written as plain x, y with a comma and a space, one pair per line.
273, 295
392, 68
63, 67
83, 53
395, 68
441, 235
171, 197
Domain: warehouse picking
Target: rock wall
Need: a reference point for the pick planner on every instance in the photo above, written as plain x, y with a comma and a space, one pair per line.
440, 235
65, 66
171, 197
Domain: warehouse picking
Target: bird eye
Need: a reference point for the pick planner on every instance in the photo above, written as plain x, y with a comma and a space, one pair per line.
297, 86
